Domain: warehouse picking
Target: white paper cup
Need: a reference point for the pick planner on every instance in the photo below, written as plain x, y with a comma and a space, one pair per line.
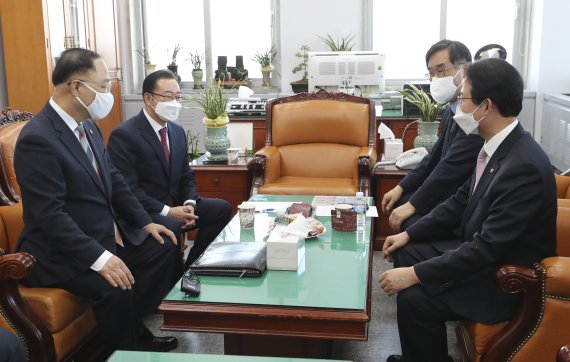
342, 207
246, 215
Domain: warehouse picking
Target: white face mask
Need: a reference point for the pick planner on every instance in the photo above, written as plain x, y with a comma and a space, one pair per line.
101, 105
466, 121
168, 111
442, 89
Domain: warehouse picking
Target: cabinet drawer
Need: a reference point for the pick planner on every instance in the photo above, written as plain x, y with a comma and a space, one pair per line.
220, 181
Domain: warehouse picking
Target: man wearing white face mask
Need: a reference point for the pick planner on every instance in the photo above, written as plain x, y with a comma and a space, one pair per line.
452, 158
504, 214
151, 152
88, 232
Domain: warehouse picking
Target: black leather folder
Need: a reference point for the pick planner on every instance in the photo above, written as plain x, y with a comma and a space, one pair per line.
242, 259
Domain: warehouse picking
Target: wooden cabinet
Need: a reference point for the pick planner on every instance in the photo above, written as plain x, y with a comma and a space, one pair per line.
35, 32
229, 182
385, 179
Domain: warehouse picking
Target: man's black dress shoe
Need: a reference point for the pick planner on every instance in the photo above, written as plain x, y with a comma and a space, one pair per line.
147, 342
399, 358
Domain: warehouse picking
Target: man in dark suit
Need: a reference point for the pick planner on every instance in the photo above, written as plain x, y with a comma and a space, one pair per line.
151, 152
11, 347
451, 161
74, 200
445, 263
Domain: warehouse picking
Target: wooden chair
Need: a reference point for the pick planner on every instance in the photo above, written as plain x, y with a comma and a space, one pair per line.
563, 190
540, 326
317, 144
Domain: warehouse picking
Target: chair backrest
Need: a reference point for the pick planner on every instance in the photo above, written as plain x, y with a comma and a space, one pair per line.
562, 186
320, 117
11, 225
563, 231
8, 137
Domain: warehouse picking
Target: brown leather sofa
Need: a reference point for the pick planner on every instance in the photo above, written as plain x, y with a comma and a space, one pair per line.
54, 324
540, 326
317, 144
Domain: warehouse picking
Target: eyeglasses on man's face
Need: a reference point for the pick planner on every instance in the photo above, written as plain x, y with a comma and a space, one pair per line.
103, 88
442, 71
170, 97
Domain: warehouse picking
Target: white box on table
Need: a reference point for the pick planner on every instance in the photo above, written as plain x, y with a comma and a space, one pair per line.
392, 148
284, 251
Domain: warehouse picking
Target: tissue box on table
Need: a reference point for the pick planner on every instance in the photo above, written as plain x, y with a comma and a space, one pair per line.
392, 148
284, 251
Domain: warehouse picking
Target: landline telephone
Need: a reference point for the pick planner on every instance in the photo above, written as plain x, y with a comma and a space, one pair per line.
411, 158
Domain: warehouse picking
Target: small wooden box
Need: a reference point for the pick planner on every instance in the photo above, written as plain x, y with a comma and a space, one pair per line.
343, 220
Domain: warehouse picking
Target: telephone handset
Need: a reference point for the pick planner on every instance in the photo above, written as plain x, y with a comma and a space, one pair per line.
411, 158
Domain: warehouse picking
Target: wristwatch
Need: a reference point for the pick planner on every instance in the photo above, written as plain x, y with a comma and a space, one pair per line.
191, 202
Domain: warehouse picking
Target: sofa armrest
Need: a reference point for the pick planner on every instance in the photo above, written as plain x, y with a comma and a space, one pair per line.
37, 338
366, 161
266, 167
563, 354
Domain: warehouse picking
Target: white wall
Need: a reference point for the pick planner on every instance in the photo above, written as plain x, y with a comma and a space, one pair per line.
3, 90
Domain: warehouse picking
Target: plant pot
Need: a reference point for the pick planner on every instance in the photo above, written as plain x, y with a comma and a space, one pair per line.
427, 135
174, 69
149, 68
198, 74
299, 87
266, 78
217, 143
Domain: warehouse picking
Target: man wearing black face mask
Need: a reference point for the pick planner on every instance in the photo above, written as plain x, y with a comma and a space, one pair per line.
151, 152
452, 158
88, 232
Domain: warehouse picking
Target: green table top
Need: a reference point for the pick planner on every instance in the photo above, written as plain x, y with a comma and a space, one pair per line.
334, 274
134, 356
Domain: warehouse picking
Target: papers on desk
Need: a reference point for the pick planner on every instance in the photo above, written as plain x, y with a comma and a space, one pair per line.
325, 210
324, 205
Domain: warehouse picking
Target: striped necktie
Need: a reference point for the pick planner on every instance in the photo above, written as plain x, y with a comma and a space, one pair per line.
86, 147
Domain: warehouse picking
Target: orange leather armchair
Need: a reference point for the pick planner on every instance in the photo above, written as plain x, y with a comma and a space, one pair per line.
53, 323
317, 144
563, 190
540, 326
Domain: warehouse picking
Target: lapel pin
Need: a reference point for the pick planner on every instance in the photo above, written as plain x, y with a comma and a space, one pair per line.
492, 170
90, 131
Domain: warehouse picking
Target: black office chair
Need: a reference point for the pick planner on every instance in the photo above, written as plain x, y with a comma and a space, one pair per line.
491, 51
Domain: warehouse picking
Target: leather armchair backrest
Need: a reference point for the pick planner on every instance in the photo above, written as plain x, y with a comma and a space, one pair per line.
12, 223
563, 231
320, 121
8, 137
319, 160
562, 186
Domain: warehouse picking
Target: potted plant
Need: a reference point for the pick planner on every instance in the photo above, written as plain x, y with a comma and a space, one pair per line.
343, 44
173, 67
213, 102
429, 111
301, 85
265, 60
148, 66
196, 59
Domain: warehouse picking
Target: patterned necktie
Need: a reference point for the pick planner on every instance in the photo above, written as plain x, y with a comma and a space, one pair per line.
163, 142
481, 164
86, 147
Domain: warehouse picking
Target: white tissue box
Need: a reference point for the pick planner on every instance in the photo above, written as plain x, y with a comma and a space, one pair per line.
392, 148
284, 252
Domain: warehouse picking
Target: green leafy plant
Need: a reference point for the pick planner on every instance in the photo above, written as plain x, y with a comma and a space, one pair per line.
175, 52
145, 55
213, 102
429, 109
343, 44
303, 55
266, 58
196, 59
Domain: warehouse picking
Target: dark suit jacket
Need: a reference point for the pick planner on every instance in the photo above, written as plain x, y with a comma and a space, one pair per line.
445, 168
136, 151
510, 219
68, 209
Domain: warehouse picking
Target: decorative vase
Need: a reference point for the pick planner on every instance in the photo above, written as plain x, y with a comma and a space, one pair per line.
217, 143
149, 68
197, 74
266, 78
174, 69
427, 135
